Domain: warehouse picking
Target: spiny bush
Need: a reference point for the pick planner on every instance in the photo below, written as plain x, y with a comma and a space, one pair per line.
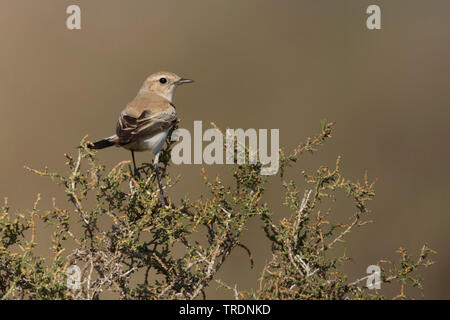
123, 238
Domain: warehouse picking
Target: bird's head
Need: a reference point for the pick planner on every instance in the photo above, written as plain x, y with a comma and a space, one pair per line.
163, 83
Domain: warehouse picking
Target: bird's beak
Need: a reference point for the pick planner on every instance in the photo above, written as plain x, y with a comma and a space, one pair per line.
182, 80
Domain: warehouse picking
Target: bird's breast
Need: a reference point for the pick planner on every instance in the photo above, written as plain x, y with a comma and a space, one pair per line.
153, 143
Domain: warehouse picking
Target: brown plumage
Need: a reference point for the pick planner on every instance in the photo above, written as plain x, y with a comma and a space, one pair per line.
138, 121
145, 122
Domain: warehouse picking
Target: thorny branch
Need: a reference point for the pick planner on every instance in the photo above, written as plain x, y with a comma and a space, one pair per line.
131, 246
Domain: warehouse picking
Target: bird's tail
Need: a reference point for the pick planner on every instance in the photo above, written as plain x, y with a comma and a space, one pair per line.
105, 143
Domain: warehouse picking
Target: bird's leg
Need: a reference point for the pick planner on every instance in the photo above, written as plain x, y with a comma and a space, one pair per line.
161, 193
136, 171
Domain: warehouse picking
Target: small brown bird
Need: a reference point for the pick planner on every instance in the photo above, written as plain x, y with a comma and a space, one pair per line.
145, 122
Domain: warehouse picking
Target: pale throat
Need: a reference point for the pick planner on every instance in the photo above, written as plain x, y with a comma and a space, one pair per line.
166, 94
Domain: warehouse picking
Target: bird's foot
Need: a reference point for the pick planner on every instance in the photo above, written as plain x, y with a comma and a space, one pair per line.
136, 173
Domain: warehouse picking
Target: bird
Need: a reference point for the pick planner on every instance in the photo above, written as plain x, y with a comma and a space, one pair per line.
146, 121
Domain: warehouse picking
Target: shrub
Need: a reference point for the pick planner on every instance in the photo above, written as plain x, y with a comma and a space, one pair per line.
123, 237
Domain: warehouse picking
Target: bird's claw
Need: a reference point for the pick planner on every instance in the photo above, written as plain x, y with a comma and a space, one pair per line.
136, 173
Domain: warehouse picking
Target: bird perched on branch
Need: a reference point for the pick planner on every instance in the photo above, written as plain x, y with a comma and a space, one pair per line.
145, 122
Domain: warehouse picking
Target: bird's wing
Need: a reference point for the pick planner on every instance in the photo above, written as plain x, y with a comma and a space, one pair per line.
131, 127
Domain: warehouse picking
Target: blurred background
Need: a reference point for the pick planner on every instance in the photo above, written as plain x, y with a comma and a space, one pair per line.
257, 64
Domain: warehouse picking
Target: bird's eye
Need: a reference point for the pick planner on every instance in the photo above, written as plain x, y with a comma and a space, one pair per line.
163, 80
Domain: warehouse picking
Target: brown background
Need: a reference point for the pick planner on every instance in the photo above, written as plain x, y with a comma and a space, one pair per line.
257, 64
